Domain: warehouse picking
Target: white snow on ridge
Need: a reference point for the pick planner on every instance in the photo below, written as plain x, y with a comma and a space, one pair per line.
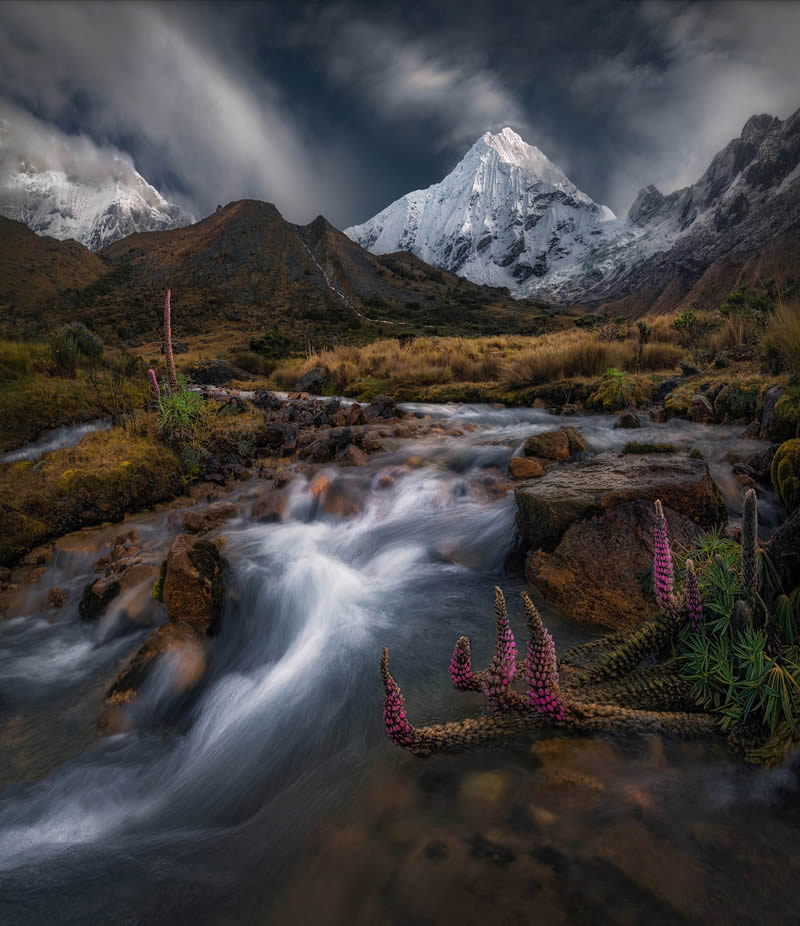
96, 210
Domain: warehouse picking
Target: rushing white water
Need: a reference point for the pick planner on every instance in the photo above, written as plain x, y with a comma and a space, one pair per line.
288, 715
56, 439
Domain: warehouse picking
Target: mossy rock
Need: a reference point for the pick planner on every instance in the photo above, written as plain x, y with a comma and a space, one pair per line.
613, 395
785, 473
366, 389
787, 414
738, 400
106, 476
20, 534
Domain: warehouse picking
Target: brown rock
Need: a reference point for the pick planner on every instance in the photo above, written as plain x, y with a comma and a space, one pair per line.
525, 468
342, 499
40, 556
193, 588
546, 507
271, 507
353, 455
550, 445
201, 522
700, 409
576, 440
187, 648
56, 598
594, 573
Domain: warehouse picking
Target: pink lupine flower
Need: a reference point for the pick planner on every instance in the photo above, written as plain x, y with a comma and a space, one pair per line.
691, 589
663, 577
398, 729
154, 381
461, 666
544, 691
501, 669
172, 377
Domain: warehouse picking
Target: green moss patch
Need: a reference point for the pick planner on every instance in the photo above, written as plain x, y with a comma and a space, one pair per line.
785, 473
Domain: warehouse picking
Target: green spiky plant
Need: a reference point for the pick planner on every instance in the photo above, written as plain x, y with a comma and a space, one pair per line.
743, 662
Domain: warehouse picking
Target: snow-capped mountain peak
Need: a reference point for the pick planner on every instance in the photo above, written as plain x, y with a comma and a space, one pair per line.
504, 215
514, 151
94, 202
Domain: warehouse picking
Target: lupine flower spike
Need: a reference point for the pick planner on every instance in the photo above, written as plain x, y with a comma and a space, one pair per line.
691, 589
750, 544
172, 377
544, 691
154, 381
501, 669
398, 729
662, 563
461, 666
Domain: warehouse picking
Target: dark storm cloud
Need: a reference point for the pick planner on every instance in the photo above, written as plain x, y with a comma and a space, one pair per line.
341, 108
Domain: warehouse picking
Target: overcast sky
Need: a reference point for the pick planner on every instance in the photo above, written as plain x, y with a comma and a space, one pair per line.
339, 108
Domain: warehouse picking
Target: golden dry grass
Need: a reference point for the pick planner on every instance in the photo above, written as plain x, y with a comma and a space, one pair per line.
513, 361
782, 336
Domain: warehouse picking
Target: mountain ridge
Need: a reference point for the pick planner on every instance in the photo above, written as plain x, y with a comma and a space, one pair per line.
748, 196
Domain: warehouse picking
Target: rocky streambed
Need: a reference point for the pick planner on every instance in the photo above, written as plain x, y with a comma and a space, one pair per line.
226, 648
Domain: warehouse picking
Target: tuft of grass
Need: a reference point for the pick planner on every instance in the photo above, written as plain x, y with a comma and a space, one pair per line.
21, 358
181, 417
781, 339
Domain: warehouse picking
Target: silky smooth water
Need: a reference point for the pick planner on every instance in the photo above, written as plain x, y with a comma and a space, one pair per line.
271, 795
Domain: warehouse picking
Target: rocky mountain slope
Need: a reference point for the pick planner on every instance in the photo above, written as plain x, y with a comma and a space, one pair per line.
245, 267
508, 215
75, 200
34, 270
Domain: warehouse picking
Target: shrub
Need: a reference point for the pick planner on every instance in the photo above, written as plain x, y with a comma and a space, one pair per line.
271, 344
182, 416
691, 329
71, 344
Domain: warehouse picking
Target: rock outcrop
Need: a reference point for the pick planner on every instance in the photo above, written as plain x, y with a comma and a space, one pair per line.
606, 589
546, 507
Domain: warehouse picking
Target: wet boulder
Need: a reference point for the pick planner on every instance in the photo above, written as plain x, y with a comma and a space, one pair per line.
525, 468
594, 574
193, 588
270, 507
550, 445
558, 445
96, 597
380, 408
180, 642
700, 409
546, 507
628, 419
315, 381
205, 520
